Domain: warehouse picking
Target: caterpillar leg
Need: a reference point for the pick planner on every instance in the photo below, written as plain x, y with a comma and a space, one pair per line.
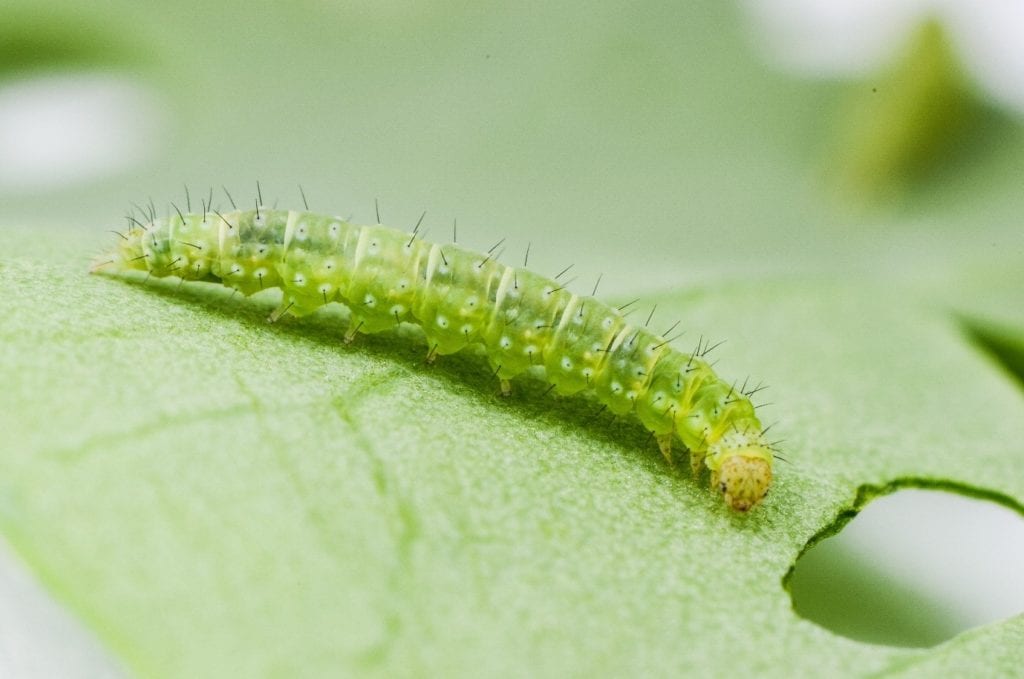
696, 463
353, 330
665, 444
506, 387
280, 311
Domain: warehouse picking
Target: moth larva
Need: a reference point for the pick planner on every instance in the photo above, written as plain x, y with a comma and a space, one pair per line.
460, 297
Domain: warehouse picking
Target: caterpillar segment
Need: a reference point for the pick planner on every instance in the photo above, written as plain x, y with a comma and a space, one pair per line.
461, 297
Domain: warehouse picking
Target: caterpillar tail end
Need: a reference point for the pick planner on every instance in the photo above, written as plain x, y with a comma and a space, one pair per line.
743, 480
107, 263
127, 255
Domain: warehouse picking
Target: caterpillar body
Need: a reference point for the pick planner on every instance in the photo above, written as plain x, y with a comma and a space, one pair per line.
460, 297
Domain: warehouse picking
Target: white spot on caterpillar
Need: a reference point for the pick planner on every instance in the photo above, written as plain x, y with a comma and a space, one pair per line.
403, 284
329, 264
302, 231
260, 272
566, 363
467, 329
441, 321
334, 229
299, 280
607, 322
369, 300
397, 310
616, 387
504, 342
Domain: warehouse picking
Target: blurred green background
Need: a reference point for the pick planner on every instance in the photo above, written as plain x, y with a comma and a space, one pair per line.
650, 137
651, 143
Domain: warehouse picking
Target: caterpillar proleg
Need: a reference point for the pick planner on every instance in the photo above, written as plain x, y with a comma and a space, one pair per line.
460, 297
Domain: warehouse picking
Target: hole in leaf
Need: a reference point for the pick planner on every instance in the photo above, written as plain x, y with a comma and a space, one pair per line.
913, 569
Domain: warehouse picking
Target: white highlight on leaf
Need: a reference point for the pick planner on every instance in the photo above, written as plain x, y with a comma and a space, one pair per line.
39, 637
59, 130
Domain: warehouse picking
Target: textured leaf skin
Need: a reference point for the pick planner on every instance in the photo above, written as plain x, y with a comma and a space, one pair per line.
214, 495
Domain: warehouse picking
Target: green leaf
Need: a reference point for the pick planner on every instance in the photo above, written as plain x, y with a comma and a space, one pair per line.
217, 495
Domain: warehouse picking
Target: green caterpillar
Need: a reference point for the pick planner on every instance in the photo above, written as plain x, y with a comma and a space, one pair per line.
460, 297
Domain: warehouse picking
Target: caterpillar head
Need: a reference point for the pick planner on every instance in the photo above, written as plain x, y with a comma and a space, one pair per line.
743, 478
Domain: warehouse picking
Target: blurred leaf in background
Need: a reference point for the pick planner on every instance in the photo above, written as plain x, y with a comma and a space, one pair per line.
938, 82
